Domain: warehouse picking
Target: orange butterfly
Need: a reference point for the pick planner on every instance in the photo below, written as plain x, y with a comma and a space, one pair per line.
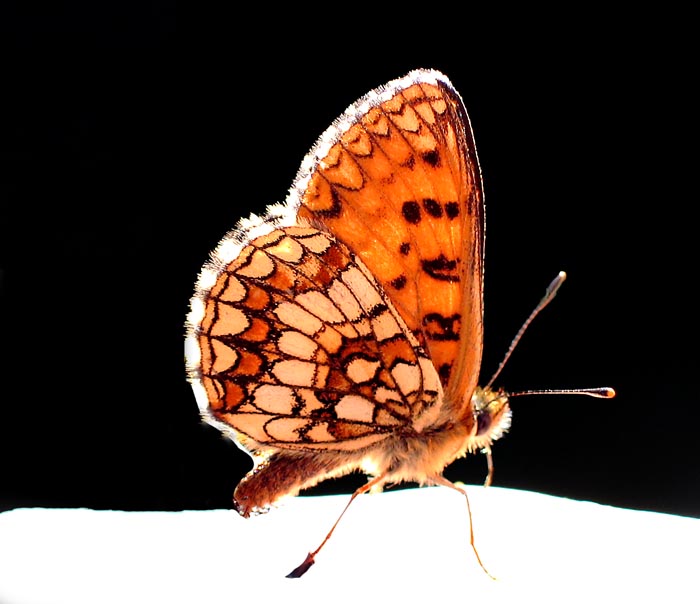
343, 330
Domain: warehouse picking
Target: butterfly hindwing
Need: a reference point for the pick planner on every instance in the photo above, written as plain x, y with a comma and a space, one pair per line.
301, 348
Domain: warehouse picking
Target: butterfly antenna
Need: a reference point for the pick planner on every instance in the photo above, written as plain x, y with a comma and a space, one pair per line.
546, 299
604, 392
552, 289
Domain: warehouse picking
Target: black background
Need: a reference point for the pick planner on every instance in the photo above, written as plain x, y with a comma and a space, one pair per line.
128, 151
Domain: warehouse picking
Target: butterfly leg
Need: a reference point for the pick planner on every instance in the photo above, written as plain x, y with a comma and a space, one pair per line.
489, 462
441, 480
311, 557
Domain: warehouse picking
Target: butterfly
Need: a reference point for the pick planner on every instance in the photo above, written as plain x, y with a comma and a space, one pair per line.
343, 330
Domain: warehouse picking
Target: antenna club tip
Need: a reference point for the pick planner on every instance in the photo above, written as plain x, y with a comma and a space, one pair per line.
609, 392
561, 276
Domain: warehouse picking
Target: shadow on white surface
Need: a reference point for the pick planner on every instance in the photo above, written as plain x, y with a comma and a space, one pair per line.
396, 546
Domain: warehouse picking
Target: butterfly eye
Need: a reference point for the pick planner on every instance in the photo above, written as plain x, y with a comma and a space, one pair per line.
483, 422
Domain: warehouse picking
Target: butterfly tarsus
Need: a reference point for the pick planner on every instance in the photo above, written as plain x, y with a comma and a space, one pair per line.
303, 567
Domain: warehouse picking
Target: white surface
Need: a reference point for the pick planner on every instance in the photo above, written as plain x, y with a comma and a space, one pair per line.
393, 547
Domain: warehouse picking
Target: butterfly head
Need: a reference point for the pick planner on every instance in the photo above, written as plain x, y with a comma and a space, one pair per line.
491, 413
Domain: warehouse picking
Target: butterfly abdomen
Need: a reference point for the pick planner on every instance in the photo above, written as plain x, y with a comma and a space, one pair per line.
285, 473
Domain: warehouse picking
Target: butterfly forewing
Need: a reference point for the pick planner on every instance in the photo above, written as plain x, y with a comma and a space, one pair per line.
401, 187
